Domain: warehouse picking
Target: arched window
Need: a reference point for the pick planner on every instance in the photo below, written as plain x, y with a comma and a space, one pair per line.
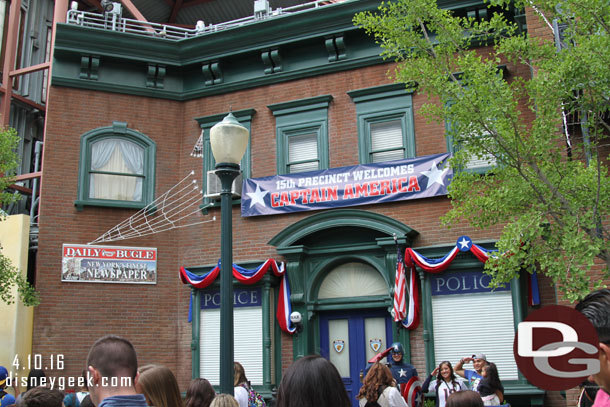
117, 168
352, 279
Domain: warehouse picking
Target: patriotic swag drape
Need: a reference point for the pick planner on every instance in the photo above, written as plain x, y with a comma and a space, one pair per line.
410, 318
249, 277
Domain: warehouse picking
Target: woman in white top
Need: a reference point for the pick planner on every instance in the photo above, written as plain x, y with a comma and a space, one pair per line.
241, 385
445, 383
379, 388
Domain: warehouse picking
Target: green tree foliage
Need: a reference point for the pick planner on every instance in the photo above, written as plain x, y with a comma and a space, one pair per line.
9, 140
9, 276
550, 188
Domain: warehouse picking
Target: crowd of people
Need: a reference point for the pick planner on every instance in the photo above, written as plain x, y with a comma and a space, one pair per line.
311, 381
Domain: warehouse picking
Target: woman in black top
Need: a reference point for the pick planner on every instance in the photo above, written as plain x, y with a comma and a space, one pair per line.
490, 388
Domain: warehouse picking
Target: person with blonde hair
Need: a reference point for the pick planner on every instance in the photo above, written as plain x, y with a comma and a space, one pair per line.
379, 388
159, 385
224, 400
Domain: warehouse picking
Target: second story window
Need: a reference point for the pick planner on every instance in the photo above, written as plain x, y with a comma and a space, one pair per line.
302, 134
385, 123
117, 168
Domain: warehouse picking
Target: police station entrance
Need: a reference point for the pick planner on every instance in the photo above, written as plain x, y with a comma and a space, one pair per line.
350, 338
341, 265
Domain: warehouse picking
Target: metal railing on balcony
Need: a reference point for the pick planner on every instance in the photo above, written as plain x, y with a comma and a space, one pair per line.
113, 20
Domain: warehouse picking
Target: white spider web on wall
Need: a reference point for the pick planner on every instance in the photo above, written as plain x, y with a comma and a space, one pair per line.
174, 209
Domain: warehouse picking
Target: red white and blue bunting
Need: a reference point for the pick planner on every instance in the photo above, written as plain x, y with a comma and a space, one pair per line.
464, 244
249, 277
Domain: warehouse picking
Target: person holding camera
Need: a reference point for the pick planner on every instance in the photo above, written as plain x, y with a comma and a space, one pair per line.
479, 361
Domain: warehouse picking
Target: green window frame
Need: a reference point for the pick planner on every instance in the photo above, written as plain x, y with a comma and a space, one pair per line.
118, 130
295, 121
451, 132
387, 104
244, 117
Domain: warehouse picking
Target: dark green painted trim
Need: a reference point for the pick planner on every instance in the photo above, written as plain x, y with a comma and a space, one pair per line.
117, 130
340, 66
277, 349
226, 87
314, 42
266, 334
337, 218
300, 105
378, 92
196, 329
241, 115
427, 320
234, 54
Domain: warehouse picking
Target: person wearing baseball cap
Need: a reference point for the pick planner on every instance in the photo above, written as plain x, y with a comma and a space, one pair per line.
479, 361
5, 398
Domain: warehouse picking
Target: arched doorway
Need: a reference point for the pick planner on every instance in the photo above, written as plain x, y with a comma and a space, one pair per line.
341, 266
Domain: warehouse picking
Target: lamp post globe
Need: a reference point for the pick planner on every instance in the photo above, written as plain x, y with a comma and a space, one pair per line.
228, 140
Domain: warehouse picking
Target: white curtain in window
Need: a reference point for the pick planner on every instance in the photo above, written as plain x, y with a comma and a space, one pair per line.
134, 158
119, 156
387, 136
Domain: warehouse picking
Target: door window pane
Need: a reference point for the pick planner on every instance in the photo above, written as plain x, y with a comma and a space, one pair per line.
338, 345
374, 336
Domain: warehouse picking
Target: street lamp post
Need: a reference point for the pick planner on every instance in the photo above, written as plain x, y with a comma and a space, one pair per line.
228, 140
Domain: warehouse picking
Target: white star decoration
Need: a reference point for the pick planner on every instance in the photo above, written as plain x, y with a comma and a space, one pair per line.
402, 372
257, 197
435, 175
464, 243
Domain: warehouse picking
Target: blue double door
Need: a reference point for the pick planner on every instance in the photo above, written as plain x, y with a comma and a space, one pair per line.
349, 339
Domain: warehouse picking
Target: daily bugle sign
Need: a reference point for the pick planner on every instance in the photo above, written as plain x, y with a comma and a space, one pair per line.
109, 264
363, 184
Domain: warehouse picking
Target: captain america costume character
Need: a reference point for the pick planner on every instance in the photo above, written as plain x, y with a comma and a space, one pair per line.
405, 374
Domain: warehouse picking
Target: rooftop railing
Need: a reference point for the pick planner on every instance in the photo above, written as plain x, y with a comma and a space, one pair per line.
113, 20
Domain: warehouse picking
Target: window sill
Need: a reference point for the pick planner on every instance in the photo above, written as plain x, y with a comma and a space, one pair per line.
80, 204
